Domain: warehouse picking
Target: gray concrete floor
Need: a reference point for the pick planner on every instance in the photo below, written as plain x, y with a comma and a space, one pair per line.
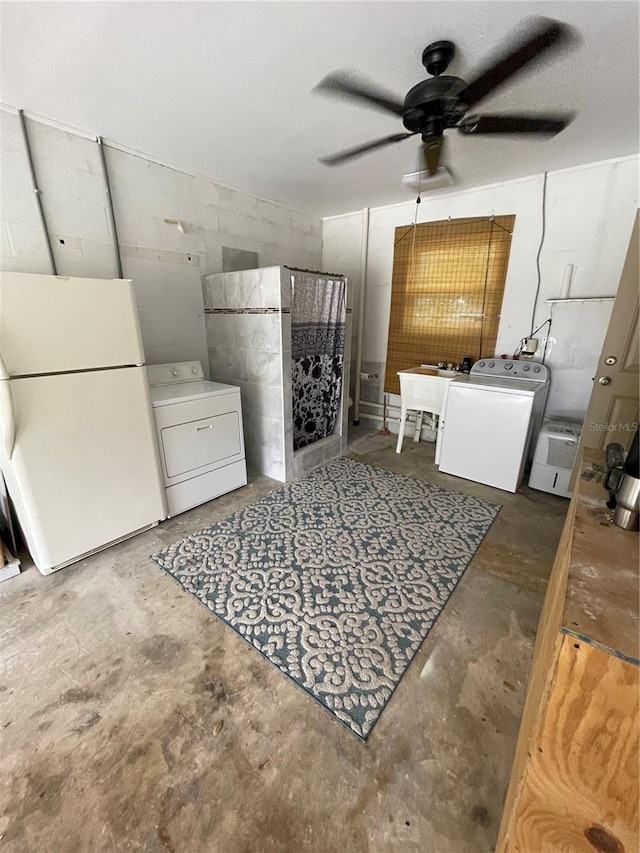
133, 720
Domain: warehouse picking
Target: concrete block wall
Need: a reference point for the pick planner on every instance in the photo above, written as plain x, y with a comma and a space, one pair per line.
342, 253
166, 265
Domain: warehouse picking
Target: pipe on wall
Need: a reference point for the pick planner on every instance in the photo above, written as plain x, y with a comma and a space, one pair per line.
38, 192
379, 405
112, 217
425, 433
361, 303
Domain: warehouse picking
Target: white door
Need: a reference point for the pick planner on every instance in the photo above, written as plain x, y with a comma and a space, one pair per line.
485, 435
56, 324
84, 470
613, 408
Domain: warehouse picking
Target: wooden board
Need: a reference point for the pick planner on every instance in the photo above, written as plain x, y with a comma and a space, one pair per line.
580, 791
603, 587
542, 671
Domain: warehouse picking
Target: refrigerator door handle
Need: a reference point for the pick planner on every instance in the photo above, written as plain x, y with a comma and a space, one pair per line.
7, 418
7, 414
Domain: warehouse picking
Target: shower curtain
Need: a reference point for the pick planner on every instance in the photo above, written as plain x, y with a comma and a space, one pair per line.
318, 316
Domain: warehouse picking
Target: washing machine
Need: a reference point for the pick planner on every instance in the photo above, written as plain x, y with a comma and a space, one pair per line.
199, 433
491, 419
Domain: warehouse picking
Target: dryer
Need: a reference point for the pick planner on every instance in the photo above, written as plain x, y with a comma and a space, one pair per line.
199, 433
491, 418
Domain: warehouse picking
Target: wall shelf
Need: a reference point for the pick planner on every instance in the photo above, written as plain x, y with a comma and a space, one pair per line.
583, 299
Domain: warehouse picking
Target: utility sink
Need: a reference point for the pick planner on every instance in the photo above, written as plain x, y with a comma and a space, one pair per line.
424, 389
434, 370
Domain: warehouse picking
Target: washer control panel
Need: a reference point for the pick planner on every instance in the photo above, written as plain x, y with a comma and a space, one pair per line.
514, 368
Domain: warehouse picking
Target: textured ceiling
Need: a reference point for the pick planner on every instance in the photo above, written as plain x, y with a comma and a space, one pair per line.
224, 88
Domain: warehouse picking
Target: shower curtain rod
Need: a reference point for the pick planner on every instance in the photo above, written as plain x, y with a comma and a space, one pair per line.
316, 272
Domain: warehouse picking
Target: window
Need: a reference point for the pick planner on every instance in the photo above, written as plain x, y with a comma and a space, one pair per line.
446, 292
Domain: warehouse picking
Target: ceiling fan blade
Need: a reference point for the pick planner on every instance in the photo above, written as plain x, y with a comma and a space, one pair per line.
342, 156
546, 35
347, 85
432, 154
548, 125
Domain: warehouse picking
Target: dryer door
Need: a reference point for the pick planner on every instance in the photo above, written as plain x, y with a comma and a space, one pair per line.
197, 436
201, 443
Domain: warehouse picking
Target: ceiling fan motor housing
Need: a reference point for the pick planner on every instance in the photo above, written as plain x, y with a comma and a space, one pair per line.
432, 106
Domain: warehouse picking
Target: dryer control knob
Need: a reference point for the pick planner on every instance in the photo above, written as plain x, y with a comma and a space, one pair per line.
174, 372
481, 364
492, 364
536, 369
193, 370
508, 365
526, 367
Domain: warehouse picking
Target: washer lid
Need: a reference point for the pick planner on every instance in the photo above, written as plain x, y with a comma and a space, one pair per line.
499, 383
165, 395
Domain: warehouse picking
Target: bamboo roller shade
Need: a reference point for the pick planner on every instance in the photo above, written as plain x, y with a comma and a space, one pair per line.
446, 292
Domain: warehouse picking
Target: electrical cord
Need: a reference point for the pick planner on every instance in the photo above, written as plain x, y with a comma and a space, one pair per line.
415, 228
484, 291
412, 230
534, 332
542, 235
571, 427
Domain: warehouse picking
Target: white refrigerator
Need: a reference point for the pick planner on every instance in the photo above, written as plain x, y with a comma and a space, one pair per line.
77, 441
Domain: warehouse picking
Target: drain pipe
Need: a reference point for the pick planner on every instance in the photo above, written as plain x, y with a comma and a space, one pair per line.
361, 302
38, 192
112, 218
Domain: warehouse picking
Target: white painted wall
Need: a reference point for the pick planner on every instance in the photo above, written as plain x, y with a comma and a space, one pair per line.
165, 265
589, 216
342, 253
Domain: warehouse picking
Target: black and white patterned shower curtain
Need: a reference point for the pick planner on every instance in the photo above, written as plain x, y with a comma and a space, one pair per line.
318, 316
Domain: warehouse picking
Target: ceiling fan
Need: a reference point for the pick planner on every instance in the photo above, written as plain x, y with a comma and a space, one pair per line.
441, 102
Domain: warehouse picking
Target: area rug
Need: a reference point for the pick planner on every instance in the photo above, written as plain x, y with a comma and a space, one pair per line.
336, 578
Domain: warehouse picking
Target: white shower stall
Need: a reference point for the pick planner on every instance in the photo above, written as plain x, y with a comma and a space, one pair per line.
284, 337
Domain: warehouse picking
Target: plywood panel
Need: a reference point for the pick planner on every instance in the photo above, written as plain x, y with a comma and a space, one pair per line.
574, 782
545, 653
580, 790
603, 587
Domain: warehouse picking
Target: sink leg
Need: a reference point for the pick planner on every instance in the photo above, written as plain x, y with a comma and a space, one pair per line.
416, 436
403, 421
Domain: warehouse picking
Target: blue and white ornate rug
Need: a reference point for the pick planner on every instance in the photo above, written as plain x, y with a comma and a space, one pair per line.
336, 578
